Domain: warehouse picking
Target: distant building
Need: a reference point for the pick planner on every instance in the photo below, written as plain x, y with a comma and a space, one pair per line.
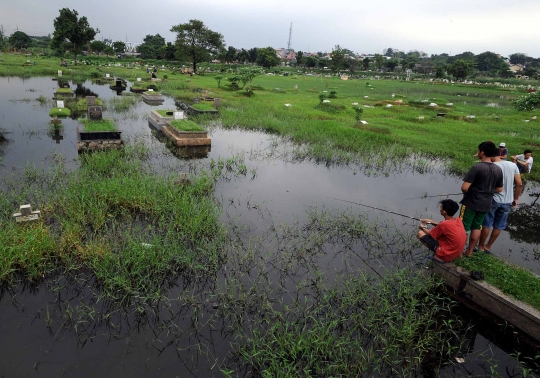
516, 67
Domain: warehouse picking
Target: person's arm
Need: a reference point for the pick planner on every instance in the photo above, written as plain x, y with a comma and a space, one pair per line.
424, 229
514, 158
517, 188
465, 187
498, 190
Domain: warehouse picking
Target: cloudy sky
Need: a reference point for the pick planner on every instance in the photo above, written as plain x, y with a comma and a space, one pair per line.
436, 26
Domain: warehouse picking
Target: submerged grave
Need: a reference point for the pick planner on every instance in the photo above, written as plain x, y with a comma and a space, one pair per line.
150, 97
98, 133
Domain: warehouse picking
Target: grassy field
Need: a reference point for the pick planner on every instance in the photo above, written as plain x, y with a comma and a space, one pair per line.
398, 127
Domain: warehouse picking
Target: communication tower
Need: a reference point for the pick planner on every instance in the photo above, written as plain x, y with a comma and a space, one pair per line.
290, 35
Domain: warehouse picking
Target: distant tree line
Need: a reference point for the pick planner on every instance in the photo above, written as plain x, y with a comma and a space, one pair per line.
195, 43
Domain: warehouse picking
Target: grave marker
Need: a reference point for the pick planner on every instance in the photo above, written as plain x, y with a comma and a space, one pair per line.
90, 100
95, 113
60, 104
138, 79
59, 72
26, 214
178, 115
217, 103
107, 75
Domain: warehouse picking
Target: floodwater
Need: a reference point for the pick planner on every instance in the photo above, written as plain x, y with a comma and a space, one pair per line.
276, 189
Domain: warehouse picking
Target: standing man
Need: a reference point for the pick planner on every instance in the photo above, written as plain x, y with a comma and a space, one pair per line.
479, 184
503, 151
501, 204
524, 161
448, 237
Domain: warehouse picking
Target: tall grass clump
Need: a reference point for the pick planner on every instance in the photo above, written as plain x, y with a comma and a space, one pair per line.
133, 230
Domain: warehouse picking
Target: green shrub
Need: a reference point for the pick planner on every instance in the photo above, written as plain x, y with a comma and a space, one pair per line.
528, 102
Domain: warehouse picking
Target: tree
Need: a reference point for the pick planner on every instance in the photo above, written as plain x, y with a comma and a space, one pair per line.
391, 64
97, 46
253, 54
365, 63
108, 50
461, 68
230, 55
119, 47
389, 52
352, 65
76, 30
379, 61
299, 58
196, 42
338, 58
519, 58
312, 61
440, 71
3, 39
152, 46
489, 61
20, 40
168, 51
243, 56
267, 57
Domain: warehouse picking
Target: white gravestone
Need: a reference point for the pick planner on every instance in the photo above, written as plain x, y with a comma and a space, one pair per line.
59, 73
26, 214
60, 104
178, 115
138, 79
107, 75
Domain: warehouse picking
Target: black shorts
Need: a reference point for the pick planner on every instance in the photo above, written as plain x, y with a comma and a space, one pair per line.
431, 243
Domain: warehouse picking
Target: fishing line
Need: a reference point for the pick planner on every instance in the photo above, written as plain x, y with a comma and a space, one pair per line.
377, 208
438, 195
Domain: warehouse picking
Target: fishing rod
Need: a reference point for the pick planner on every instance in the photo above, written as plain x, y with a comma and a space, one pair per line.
386, 211
438, 195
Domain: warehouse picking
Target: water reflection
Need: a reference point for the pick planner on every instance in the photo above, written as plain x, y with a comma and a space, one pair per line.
56, 131
82, 91
524, 222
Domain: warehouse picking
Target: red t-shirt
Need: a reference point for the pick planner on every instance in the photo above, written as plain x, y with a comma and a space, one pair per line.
451, 237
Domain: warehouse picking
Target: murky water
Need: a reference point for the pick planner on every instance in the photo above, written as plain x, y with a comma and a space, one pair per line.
276, 189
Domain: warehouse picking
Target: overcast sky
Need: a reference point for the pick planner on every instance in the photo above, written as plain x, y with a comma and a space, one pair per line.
435, 27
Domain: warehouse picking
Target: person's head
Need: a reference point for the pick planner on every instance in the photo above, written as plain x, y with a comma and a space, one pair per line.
527, 154
448, 206
488, 148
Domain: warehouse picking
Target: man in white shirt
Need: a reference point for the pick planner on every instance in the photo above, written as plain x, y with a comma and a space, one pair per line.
501, 204
524, 161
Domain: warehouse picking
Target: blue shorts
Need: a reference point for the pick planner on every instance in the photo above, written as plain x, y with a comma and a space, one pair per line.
497, 216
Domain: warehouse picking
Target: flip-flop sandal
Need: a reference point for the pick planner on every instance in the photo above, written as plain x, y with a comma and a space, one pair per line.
478, 250
487, 251
434, 259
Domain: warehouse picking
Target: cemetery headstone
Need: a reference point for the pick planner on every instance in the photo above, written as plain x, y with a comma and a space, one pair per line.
26, 214
217, 103
138, 79
178, 115
59, 72
95, 113
90, 100
107, 75
60, 104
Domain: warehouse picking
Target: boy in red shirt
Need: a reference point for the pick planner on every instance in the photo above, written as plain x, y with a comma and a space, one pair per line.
447, 239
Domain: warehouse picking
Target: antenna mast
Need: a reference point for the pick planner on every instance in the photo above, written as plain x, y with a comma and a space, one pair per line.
290, 34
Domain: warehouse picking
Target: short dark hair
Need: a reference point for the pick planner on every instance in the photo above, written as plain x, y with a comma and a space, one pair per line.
527, 152
450, 206
488, 148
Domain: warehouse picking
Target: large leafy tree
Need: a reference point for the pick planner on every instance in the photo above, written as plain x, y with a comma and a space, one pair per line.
76, 30
519, 58
267, 57
196, 42
338, 58
461, 68
20, 40
253, 53
97, 46
119, 47
489, 61
152, 47
230, 55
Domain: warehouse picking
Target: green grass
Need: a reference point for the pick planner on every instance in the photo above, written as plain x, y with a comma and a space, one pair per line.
60, 112
130, 228
82, 106
203, 106
103, 125
163, 112
186, 125
510, 279
64, 90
